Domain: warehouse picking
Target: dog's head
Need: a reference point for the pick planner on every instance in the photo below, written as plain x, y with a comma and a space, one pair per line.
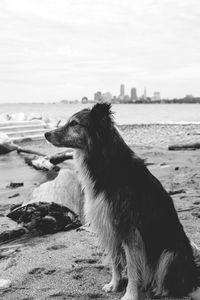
83, 128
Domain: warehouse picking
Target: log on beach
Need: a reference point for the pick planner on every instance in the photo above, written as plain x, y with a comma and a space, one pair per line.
53, 206
6, 148
60, 157
48, 163
41, 163
192, 146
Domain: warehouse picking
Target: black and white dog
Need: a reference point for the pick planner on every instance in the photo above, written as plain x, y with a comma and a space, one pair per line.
129, 209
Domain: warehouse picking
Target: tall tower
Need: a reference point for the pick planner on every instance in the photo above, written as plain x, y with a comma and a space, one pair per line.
122, 91
145, 94
133, 94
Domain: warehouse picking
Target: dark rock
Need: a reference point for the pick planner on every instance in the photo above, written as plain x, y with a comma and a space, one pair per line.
176, 168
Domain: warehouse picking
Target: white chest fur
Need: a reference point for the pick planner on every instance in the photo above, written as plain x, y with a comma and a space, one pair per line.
96, 208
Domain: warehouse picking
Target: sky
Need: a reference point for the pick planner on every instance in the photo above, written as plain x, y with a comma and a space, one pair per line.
66, 49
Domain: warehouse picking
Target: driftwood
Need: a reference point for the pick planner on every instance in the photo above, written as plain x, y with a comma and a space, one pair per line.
185, 209
14, 185
14, 195
41, 163
176, 192
192, 146
19, 150
48, 163
9, 147
194, 133
60, 157
13, 234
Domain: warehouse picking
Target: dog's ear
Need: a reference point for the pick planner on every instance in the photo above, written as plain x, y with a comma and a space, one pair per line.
101, 113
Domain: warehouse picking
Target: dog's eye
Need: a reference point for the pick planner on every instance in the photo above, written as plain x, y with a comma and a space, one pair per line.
73, 123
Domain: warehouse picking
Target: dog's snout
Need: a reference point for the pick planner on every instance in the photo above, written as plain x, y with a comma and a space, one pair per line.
47, 135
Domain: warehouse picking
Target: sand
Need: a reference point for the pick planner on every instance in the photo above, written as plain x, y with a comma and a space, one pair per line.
68, 265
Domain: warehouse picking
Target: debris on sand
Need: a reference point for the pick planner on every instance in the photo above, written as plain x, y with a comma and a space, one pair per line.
45, 217
46, 163
14, 196
53, 206
196, 213
196, 202
14, 206
41, 163
14, 185
5, 283
7, 146
12, 234
189, 146
176, 192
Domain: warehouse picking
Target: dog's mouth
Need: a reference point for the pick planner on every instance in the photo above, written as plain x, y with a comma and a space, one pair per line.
58, 142
50, 137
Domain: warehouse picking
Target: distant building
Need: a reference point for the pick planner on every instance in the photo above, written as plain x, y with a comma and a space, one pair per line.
189, 96
98, 97
156, 96
133, 94
107, 97
126, 99
145, 94
115, 99
122, 91
144, 98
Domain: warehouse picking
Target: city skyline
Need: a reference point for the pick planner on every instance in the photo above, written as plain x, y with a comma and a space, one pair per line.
125, 96
68, 49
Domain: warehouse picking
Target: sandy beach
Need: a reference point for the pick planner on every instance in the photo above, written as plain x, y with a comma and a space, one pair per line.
69, 265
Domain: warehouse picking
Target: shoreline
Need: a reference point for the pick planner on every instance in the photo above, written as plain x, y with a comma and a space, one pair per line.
123, 113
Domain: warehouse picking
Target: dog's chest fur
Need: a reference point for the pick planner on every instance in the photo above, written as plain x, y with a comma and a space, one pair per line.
96, 208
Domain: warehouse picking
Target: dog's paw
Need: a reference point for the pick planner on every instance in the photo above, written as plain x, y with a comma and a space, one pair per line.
110, 287
127, 296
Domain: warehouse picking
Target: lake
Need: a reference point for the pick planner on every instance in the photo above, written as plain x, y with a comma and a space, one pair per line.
124, 113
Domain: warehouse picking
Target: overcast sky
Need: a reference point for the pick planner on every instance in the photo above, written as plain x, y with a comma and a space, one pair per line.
66, 49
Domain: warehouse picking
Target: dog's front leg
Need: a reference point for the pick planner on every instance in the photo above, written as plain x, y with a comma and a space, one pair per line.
113, 285
132, 287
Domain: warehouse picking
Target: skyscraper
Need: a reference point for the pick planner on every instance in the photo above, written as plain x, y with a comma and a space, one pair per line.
133, 94
98, 97
145, 94
122, 91
156, 96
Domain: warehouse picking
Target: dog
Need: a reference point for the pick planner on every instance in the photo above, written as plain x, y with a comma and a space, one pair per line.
129, 209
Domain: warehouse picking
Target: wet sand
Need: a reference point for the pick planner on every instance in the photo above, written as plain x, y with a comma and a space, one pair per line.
68, 265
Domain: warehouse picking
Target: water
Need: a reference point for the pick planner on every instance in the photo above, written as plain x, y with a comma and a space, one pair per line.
124, 113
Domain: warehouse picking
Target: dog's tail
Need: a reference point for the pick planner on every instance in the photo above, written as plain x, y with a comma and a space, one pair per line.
195, 295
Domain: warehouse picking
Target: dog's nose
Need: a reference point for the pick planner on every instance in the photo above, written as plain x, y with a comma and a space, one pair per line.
47, 135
